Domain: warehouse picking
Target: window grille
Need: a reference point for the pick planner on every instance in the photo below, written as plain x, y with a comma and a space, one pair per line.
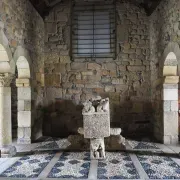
94, 29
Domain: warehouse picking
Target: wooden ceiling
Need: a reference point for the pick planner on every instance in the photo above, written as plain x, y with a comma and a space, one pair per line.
45, 6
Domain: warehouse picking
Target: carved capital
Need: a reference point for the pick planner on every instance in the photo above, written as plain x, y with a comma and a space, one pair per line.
5, 80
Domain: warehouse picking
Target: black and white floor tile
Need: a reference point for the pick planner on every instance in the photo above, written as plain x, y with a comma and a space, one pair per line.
142, 145
117, 166
159, 167
53, 144
71, 165
28, 166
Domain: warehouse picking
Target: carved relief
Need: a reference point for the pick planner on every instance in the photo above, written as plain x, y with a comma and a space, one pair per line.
97, 149
5, 80
88, 107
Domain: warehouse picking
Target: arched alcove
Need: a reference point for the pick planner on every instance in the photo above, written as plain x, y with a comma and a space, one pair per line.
4, 60
7, 67
23, 68
170, 99
23, 84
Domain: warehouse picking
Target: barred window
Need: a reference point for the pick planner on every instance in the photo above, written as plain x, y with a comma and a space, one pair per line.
93, 30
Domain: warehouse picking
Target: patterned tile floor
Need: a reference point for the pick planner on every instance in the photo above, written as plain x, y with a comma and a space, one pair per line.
142, 145
77, 165
71, 165
28, 166
160, 167
117, 166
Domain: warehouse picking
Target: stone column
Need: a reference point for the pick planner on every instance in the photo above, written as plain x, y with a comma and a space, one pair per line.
7, 150
170, 113
24, 111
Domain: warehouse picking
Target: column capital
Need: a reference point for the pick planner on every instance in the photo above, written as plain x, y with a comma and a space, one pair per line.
5, 79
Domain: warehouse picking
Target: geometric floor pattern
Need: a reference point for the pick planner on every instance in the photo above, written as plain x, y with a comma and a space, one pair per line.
71, 165
117, 166
77, 165
28, 166
160, 167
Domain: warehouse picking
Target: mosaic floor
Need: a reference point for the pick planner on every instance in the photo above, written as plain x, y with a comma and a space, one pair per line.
77, 165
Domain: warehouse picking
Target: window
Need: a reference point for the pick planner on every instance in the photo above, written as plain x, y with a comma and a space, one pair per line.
93, 30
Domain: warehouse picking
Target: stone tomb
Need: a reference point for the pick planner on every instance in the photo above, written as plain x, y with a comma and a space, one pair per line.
96, 119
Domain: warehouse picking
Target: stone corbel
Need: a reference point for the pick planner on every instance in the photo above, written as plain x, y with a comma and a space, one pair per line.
22, 82
171, 80
6, 79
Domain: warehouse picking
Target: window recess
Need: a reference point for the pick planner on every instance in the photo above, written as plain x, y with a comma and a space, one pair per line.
93, 29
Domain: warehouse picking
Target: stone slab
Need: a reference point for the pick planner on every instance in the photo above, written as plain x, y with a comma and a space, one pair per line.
170, 94
96, 125
24, 119
24, 93
171, 123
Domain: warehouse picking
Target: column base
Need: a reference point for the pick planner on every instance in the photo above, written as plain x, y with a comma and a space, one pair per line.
8, 151
24, 141
24, 135
170, 139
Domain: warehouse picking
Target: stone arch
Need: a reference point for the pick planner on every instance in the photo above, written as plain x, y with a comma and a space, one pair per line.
7, 64
168, 58
170, 93
7, 69
23, 63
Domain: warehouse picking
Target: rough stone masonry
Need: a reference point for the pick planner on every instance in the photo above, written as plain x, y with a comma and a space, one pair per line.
125, 80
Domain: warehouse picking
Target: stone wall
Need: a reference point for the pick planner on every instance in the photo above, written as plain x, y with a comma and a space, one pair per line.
125, 80
164, 34
23, 27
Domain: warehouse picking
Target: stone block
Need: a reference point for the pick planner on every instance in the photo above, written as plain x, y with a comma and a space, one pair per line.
78, 66
174, 105
117, 81
110, 66
171, 123
24, 132
53, 80
27, 105
173, 140
23, 73
24, 93
170, 94
121, 87
109, 89
170, 86
105, 79
20, 105
96, 125
24, 119
60, 68
171, 79
87, 73
170, 71
136, 68
22, 81
122, 68
167, 106
94, 66
64, 59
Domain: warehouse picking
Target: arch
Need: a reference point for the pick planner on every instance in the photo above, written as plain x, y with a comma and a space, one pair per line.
23, 68
7, 64
23, 62
171, 51
170, 65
